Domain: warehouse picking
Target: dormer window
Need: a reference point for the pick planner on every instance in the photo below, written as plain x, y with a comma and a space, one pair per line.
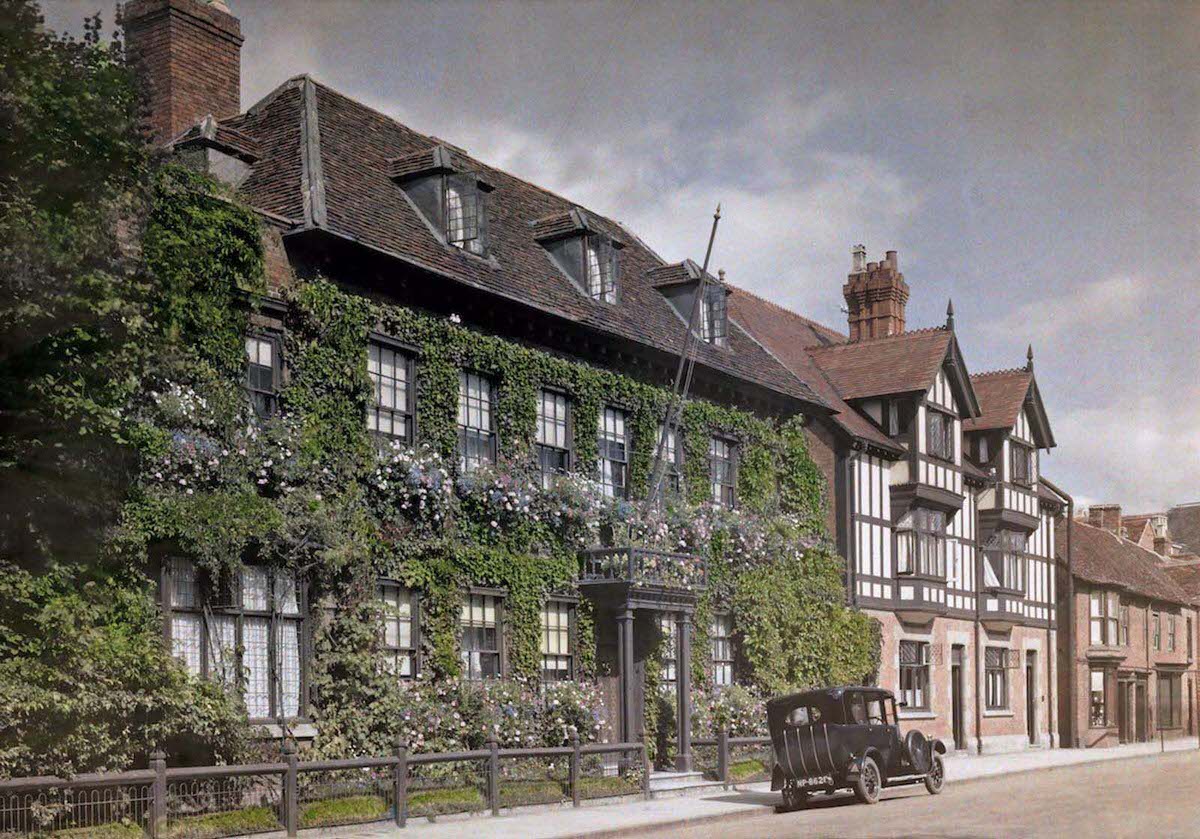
714, 317
587, 256
451, 199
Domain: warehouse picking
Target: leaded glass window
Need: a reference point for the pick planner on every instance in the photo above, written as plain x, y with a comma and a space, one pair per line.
390, 411
995, 670
477, 440
914, 674
480, 635
939, 434
714, 319
399, 630
614, 453
722, 649
553, 447
556, 648
464, 213
601, 269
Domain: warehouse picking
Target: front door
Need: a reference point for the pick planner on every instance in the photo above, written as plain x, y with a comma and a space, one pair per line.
1125, 711
1141, 723
1031, 695
956, 696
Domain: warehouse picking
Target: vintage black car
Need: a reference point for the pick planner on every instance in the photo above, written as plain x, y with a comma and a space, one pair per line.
847, 737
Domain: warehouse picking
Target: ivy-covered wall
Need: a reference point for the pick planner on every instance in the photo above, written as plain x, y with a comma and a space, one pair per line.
311, 489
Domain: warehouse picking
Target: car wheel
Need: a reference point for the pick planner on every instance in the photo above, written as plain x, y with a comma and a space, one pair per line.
935, 780
869, 783
794, 798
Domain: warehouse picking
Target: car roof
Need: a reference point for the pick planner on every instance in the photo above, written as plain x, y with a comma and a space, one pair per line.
819, 694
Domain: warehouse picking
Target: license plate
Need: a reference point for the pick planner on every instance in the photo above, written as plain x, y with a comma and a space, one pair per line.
819, 781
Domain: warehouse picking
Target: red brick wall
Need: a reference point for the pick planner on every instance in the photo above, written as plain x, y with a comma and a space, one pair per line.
188, 56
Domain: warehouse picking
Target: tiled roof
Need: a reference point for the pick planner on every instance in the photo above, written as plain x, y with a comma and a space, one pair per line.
1001, 395
1135, 526
327, 162
221, 136
788, 335
1187, 577
900, 363
1183, 525
1107, 559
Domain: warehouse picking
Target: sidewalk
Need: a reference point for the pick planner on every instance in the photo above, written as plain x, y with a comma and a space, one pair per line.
619, 819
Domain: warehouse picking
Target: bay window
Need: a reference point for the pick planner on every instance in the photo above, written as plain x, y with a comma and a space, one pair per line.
921, 543
1004, 560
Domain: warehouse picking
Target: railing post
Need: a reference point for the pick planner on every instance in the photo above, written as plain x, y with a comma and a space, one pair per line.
158, 795
401, 790
575, 797
771, 759
291, 788
645, 765
723, 756
493, 782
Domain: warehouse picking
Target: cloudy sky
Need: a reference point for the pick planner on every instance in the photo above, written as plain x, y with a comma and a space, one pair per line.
1037, 162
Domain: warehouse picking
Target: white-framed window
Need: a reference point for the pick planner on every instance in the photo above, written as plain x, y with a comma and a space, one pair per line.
914, 674
465, 214
481, 639
670, 639
245, 633
613, 463
476, 437
721, 636
1103, 618
553, 436
262, 374
400, 629
558, 658
722, 454
600, 268
672, 461
714, 318
390, 411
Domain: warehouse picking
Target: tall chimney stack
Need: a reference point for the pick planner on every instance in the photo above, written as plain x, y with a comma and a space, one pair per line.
188, 54
1106, 516
876, 296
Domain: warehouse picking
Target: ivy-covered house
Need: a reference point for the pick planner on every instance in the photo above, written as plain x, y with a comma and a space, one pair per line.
455, 384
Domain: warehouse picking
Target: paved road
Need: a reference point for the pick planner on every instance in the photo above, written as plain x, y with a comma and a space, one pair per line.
1141, 797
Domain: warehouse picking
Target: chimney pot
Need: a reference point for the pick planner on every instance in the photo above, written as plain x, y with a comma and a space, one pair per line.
891, 260
1106, 516
858, 259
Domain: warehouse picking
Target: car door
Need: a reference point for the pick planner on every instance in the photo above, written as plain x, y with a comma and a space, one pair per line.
879, 732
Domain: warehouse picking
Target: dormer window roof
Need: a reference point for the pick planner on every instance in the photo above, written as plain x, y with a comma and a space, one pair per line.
450, 197
679, 283
587, 255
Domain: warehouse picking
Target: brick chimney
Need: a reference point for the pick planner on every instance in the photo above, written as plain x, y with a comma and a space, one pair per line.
188, 54
1107, 516
875, 296
1162, 546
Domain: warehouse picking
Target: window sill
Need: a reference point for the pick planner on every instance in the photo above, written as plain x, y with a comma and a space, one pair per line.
1000, 712
915, 715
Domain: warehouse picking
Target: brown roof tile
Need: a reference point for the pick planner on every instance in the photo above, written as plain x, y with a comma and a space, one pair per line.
356, 150
1183, 525
1001, 394
788, 335
1107, 559
900, 363
1187, 577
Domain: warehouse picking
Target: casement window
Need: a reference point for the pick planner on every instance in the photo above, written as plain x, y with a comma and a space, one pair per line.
614, 453
1098, 703
476, 437
263, 374
480, 636
721, 633
722, 457
1123, 637
672, 462
667, 627
453, 203
1156, 623
1104, 616
1170, 696
1171, 633
1020, 463
939, 434
390, 412
245, 633
600, 268
995, 676
914, 674
558, 658
400, 630
714, 316
921, 546
553, 441
1005, 560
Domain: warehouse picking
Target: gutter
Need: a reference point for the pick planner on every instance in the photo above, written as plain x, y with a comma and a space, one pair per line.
1072, 687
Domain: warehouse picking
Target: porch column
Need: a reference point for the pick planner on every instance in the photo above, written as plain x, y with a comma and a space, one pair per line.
683, 687
625, 659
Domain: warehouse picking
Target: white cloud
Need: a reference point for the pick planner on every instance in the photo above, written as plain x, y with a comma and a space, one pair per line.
1088, 307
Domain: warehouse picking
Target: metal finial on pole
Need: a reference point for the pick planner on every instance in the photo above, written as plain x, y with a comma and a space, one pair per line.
1029, 358
950, 315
